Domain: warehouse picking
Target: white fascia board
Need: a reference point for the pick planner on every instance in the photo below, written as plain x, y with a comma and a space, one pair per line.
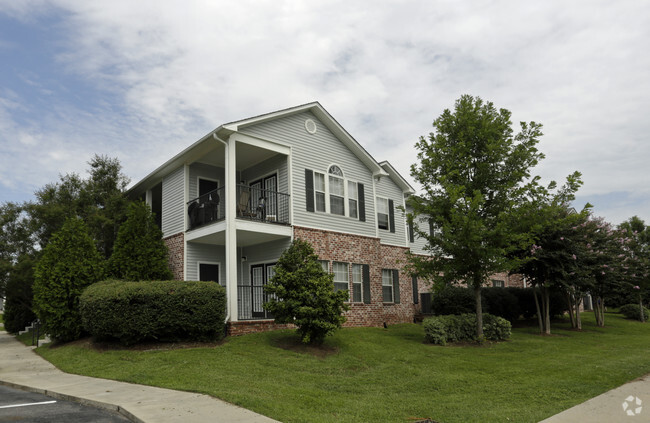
397, 178
187, 156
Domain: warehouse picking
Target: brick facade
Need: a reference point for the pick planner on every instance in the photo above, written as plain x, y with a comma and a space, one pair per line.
357, 249
176, 255
253, 326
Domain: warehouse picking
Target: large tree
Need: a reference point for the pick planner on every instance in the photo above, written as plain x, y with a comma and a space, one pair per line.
140, 253
474, 172
70, 263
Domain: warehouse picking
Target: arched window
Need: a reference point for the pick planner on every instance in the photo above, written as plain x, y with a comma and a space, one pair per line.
336, 190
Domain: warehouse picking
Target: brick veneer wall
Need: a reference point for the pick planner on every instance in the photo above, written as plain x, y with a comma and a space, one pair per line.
254, 326
357, 249
176, 253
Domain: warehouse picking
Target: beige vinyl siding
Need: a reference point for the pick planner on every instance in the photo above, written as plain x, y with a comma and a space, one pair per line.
386, 188
204, 253
201, 170
318, 152
173, 202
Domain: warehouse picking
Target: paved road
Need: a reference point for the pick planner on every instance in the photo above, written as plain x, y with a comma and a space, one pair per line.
16, 405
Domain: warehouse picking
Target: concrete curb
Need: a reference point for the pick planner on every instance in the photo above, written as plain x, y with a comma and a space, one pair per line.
83, 401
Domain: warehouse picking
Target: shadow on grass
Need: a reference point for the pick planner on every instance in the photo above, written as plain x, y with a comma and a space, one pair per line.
290, 341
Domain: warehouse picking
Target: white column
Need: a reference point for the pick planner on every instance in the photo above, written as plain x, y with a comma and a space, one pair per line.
231, 229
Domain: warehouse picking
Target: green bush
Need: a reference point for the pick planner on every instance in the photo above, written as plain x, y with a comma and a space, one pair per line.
435, 330
462, 327
70, 263
302, 293
18, 296
631, 311
154, 310
501, 302
453, 300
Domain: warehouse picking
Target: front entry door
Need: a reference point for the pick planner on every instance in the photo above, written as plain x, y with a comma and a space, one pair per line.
260, 275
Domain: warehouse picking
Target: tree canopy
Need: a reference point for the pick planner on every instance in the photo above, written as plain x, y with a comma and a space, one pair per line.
474, 172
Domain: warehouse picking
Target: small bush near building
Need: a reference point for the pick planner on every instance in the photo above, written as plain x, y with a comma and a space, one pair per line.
454, 328
154, 310
453, 300
631, 311
501, 302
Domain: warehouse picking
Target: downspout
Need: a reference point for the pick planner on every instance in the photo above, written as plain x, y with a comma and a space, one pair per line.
225, 144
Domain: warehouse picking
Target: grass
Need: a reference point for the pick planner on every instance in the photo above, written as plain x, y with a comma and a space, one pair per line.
376, 374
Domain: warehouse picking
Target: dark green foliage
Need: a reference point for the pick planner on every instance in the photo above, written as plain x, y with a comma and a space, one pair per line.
303, 294
632, 311
154, 310
453, 300
18, 303
501, 302
70, 263
139, 252
526, 302
456, 328
474, 172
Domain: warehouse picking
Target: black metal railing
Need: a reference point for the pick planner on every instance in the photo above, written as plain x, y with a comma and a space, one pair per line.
207, 208
262, 205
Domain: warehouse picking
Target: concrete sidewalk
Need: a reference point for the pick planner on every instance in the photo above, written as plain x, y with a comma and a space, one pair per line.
22, 368
627, 403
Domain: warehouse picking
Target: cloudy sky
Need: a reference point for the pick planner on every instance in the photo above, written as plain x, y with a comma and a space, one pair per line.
142, 80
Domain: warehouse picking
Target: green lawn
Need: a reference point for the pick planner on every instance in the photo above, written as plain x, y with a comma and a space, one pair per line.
379, 375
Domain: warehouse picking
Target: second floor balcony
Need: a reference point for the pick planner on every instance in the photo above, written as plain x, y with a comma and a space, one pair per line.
253, 203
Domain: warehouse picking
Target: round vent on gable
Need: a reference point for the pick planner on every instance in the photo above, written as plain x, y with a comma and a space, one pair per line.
310, 126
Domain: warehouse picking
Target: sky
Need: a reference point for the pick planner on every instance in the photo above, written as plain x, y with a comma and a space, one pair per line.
142, 80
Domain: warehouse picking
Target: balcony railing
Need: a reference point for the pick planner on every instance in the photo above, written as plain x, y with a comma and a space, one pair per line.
207, 208
262, 205
255, 204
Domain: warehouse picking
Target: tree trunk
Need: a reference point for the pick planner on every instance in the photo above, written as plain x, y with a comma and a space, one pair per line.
569, 301
577, 306
602, 312
479, 312
539, 311
641, 314
547, 312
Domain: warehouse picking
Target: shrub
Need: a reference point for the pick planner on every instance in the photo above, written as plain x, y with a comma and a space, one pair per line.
501, 302
453, 300
631, 311
18, 296
163, 310
139, 252
435, 330
303, 294
496, 328
70, 263
454, 328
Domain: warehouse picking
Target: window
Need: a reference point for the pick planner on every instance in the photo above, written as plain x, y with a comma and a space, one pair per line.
325, 265
387, 285
341, 278
498, 283
337, 193
353, 200
319, 190
382, 213
357, 283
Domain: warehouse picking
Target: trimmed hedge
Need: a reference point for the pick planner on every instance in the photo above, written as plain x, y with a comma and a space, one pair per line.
510, 303
631, 311
462, 327
154, 310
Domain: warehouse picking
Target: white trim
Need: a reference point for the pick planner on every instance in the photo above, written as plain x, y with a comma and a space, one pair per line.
265, 144
290, 185
377, 212
198, 269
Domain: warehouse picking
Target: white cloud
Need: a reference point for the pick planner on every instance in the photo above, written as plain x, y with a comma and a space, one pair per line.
384, 70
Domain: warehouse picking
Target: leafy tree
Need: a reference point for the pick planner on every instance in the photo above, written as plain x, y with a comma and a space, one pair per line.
15, 240
18, 305
302, 293
474, 173
139, 253
70, 262
636, 260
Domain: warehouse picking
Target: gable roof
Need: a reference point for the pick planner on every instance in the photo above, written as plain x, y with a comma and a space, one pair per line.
199, 147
